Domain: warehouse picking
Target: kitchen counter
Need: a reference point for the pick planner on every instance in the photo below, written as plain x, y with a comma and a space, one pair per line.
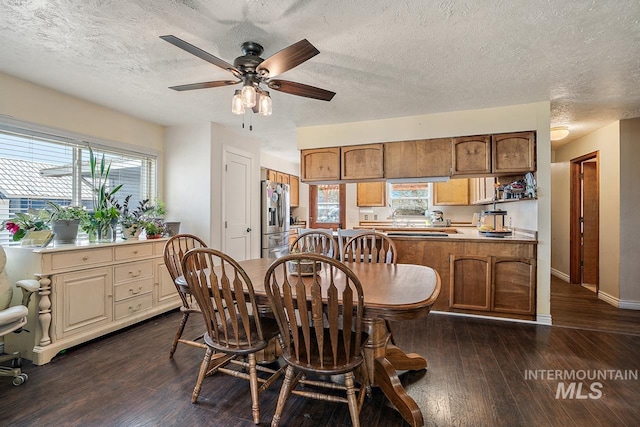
461, 233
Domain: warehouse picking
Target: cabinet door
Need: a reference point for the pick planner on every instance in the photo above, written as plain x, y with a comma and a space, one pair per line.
282, 178
470, 282
166, 289
417, 159
294, 190
320, 164
272, 175
84, 300
482, 190
514, 152
454, 192
514, 285
471, 155
363, 161
371, 193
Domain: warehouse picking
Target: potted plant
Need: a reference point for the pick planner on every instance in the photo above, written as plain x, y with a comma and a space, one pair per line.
23, 222
65, 221
105, 214
132, 220
155, 228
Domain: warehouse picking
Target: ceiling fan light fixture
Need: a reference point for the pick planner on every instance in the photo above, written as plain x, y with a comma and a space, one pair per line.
265, 107
559, 132
237, 107
249, 95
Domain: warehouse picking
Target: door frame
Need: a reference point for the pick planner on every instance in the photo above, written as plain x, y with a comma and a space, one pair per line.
575, 187
313, 206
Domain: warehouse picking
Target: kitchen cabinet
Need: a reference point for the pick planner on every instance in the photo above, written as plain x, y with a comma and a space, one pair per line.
362, 161
272, 175
282, 178
471, 155
513, 152
482, 190
294, 190
513, 285
454, 192
417, 159
371, 194
320, 164
88, 291
470, 282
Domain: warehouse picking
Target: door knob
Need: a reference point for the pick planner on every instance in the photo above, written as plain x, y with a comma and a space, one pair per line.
248, 229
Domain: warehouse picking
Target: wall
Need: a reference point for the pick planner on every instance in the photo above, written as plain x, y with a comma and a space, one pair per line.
606, 142
195, 155
37, 104
629, 208
513, 118
269, 161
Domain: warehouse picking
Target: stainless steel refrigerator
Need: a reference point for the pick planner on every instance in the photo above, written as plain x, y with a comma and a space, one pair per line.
275, 219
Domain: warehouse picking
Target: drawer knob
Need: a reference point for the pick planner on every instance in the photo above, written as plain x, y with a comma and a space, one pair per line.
136, 274
136, 291
135, 252
86, 257
136, 308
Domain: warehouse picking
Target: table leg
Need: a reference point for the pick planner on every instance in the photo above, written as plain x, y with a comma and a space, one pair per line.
382, 360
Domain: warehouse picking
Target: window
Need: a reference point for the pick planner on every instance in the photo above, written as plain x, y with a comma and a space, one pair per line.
409, 199
327, 206
36, 167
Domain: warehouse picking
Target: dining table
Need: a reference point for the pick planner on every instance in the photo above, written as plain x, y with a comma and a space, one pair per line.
391, 292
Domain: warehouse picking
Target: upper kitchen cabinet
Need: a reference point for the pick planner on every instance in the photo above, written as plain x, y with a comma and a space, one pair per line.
454, 192
272, 175
282, 178
513, 152
294, 191
371, 194
363, 161
417, 159
471, 155
320, 164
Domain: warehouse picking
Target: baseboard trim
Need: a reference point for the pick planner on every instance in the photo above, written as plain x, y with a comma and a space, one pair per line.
542, 319
560, 275
609, 299
629, 305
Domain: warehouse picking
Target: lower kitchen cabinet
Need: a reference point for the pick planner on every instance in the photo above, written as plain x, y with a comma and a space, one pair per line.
495, 284
87, 291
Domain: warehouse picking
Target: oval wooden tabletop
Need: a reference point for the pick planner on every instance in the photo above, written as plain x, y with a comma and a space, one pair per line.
395, 292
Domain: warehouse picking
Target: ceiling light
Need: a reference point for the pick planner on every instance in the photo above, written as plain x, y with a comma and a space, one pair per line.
249, 95
559, 132
237, 107
264, 104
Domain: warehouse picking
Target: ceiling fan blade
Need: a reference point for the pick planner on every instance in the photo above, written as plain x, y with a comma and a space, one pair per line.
300, 89
205, 85
287, 58
200, 53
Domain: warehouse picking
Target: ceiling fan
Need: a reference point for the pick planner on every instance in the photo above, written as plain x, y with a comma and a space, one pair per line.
252, 71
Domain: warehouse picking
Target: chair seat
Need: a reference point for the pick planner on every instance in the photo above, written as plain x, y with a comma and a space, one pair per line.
245, 346
326, 366
13, 318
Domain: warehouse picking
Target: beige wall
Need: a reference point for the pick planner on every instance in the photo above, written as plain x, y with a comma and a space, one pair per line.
36, 104
630, 211
607, 142
514, 118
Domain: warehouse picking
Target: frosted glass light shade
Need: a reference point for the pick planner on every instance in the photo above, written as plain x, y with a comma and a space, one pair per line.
559, 132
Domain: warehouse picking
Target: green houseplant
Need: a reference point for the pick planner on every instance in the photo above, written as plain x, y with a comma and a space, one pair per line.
132, 220
65, 221
154, 228
105, 214
32, 220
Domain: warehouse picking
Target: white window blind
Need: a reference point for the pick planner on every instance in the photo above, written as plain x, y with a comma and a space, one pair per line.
37, 166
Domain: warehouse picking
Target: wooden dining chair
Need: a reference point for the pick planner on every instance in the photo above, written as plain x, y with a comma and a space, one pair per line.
233, 327
374, 248
320, 320
344, 235
315, 241
174, 250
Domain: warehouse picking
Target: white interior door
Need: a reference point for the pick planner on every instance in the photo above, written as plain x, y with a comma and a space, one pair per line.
237, 205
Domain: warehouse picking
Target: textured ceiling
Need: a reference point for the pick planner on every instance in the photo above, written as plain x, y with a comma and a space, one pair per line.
383, 58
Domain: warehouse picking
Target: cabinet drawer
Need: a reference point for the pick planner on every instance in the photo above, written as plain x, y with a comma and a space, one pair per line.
132, 306
133, 251
72, 259
158, 247
133, 270
133, 288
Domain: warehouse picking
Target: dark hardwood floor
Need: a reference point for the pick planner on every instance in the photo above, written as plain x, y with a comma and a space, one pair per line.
476, 377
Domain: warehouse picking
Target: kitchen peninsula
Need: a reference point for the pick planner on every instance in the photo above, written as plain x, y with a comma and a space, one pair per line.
86, 291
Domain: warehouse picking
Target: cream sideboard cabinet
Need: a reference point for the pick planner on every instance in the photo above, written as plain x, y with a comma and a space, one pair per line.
87, 291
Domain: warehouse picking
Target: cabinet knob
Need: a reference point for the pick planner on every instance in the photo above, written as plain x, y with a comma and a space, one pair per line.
136, 274
84, 258
135, 252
